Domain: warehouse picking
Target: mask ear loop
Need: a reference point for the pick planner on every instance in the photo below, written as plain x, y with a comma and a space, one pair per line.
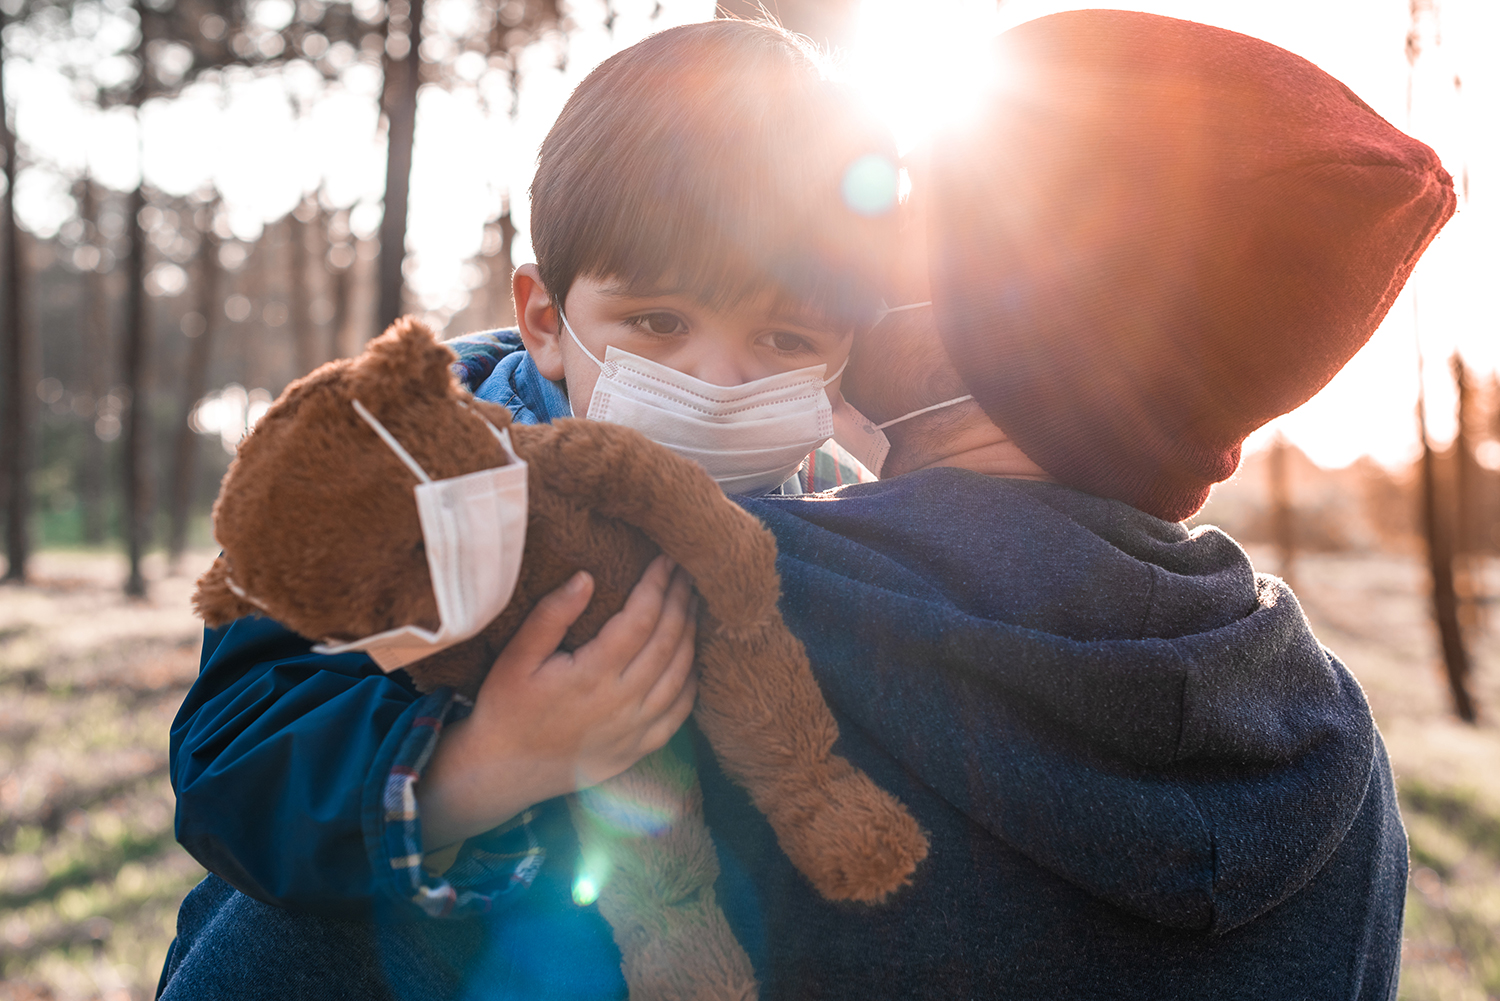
503, 437
828, 381
885, 310
925, 410
573, 334
390, 440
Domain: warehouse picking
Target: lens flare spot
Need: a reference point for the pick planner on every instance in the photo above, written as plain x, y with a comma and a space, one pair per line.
871, 184
585, 890
629, 811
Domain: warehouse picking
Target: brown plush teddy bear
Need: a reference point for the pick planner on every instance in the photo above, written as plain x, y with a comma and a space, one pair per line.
320, 530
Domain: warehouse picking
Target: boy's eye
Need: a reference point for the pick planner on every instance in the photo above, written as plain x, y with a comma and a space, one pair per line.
786, 341
659, 323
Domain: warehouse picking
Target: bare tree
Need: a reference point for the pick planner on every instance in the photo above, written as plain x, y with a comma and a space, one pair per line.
1466, 484
305, 352
511, 26
1283, 528
340, 260
195, 380
18, 422
403, 77
135, 482
94, 319
1438, 531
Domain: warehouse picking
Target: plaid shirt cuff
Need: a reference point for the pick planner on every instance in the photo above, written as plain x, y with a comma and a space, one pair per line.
479, 353
489, 870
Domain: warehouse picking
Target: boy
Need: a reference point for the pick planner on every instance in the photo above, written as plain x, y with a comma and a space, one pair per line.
659, 247
691, 209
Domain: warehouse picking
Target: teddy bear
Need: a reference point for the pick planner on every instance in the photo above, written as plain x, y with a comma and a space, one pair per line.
320, 530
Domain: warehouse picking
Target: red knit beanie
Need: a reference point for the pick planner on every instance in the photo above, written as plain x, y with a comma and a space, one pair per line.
1160, 235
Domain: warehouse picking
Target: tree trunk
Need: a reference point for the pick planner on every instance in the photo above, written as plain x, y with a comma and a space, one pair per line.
504, 306
1283, 528
328, 340
134, 496
18, 423
96, 350
1440, 561
194, 386
1466, 569
403, 75
343, 293
134, 482
299, 292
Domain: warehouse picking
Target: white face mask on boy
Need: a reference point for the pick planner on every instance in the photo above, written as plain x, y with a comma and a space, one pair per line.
862, 437
749, 437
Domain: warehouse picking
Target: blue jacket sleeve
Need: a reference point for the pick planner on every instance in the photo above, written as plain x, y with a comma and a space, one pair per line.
296, 780
276, 746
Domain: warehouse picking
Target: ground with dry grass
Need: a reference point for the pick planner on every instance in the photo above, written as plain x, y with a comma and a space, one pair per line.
90, 877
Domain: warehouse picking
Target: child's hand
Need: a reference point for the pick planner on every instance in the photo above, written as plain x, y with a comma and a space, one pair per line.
547, 722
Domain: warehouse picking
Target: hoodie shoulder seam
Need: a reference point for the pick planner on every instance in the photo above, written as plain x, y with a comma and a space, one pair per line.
1140, 627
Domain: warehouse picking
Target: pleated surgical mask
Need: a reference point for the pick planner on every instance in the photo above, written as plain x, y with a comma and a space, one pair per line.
474, 531
862, 437
751, 437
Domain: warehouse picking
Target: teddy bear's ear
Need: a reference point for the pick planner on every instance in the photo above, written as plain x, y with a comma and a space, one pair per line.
492, 412
215, 600
408, 356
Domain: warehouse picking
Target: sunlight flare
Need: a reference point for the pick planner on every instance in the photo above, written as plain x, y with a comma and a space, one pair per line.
922, 66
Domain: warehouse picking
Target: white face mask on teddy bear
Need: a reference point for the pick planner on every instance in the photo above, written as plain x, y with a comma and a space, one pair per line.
474, 530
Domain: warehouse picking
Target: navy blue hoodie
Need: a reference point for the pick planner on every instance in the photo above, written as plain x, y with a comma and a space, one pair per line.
1142, 775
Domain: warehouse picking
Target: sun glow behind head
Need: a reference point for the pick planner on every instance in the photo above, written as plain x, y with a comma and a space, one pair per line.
923, 65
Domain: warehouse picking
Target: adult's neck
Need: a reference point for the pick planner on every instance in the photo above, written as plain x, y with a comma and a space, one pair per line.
973, 442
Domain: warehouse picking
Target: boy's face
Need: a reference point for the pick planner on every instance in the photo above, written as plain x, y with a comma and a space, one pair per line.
725, 346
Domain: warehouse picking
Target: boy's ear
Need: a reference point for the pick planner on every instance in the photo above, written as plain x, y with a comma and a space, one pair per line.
541, 330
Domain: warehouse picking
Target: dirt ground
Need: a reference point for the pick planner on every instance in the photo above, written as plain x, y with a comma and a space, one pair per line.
90, 877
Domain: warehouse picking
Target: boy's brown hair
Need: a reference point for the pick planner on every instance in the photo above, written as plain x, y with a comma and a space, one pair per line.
721, 161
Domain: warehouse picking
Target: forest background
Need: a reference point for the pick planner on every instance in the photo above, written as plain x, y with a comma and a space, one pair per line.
204, 199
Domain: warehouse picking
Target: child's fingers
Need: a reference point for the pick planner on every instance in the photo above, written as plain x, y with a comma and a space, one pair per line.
545, 626
643, 670
669, 722
631, 628
678, 666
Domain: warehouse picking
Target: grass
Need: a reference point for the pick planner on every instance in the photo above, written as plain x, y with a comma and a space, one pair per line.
90, 878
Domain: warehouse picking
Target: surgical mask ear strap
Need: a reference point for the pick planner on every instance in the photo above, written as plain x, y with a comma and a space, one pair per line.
925, 410
390, 440
503, 437
569, 328
829, 380
888, 310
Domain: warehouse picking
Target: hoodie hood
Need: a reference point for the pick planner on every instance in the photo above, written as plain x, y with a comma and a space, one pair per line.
1124, 701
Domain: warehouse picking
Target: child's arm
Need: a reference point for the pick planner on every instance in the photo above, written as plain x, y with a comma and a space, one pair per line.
283, 760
